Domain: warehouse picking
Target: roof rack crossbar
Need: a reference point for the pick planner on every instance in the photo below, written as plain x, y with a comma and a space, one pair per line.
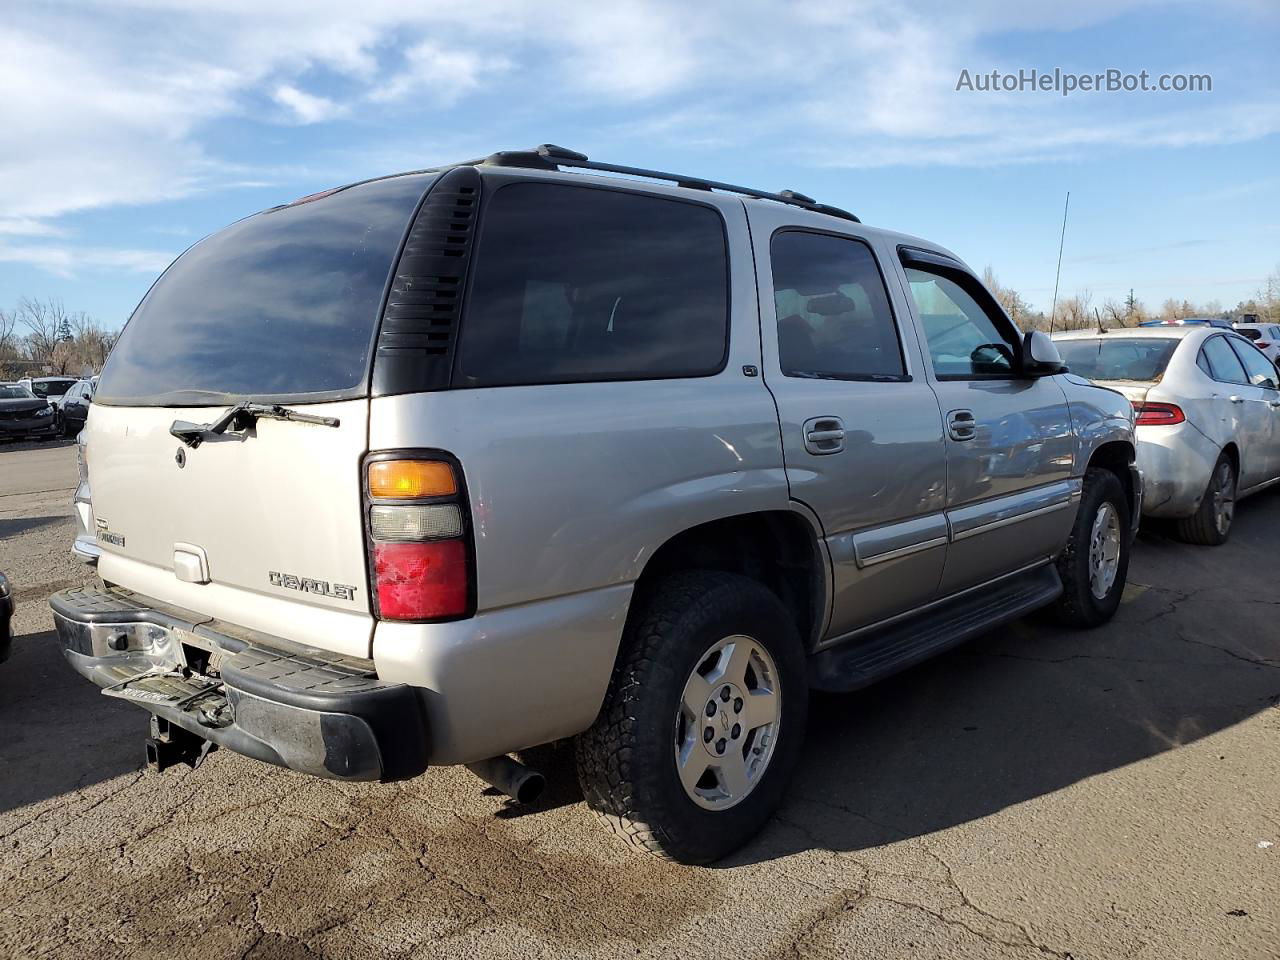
548, 156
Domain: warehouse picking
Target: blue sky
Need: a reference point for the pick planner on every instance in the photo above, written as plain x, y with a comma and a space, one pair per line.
134, 127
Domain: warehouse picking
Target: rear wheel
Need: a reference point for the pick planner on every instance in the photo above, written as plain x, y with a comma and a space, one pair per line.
1095, 563
702, 724
1210, 525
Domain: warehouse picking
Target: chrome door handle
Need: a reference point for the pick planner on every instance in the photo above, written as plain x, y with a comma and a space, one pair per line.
961, 424
823, 435
1275, 404
1234, 399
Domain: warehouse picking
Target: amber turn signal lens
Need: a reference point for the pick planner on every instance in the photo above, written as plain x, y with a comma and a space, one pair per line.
410, 479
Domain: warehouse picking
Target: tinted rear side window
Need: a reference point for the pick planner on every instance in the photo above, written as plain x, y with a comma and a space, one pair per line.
834, 320
281, 305
575, 283
1223, 361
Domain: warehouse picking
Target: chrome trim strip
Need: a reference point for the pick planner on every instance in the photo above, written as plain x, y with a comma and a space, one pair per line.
985, 513
872, 545
1007, 521
902, 551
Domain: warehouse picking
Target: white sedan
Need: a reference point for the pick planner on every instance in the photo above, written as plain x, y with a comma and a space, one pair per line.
1208, 416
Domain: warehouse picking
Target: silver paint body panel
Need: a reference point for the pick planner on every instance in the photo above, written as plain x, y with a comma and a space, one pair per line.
574, 487
1178, 460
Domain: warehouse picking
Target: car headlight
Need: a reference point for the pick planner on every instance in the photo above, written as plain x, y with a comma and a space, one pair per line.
46, 412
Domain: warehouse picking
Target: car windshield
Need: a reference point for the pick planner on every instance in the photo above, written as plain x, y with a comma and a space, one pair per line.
13, 392
1117, 358
51, 388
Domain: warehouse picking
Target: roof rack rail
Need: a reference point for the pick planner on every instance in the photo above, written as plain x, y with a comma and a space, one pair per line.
548, 156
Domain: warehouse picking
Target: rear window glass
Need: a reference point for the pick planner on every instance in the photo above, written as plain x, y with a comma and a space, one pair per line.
1117, 358
50, 388
575, 283
281, 305
1251, 333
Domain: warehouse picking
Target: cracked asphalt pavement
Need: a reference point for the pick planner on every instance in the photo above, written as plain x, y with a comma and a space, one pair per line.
1037, 793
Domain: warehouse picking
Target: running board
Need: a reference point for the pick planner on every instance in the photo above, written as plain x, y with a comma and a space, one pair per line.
864, 660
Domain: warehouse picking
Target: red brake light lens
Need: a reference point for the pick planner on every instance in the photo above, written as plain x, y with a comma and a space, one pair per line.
1158, 414
421, 581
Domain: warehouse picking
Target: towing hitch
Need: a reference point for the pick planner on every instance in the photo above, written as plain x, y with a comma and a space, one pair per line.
170, 745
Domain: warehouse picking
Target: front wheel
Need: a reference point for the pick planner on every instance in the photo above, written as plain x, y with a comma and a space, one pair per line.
702, 724
1095, 563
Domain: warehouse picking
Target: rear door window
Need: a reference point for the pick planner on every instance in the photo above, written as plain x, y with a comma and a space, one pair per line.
575, 284
834, 319
280, 305
1261, 372
1224, 363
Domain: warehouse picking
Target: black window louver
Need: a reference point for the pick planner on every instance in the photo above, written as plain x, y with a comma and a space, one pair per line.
420, 323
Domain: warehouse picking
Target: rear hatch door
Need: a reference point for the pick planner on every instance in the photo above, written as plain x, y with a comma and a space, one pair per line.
260, 526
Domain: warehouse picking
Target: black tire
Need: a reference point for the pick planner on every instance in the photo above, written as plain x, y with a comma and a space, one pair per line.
1202, 527
1078, 606
627, 760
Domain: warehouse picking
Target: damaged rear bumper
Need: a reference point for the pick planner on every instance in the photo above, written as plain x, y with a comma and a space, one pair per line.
298, 707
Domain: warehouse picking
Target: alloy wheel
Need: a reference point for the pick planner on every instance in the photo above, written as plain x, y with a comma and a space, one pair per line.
727, 722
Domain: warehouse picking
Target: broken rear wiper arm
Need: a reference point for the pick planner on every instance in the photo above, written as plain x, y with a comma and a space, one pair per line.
240, 417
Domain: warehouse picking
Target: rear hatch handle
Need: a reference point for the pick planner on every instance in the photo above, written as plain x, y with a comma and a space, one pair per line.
241, 417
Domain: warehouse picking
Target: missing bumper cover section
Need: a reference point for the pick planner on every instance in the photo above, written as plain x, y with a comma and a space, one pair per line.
311, 711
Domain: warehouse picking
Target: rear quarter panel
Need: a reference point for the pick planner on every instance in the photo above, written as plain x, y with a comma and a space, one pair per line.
573, 487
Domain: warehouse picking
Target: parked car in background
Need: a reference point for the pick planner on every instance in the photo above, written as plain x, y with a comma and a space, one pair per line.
75, 406
533, 454
53, 389
6, 618
1265, 336
24, 416
1208, 416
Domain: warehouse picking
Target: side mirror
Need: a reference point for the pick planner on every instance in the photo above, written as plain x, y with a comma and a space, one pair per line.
1040, 357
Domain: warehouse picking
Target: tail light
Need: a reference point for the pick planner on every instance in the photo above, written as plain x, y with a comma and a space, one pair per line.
1158, 414
418, 524
1262, 344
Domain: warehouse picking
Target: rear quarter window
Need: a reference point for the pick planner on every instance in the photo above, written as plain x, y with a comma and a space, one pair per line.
575, 284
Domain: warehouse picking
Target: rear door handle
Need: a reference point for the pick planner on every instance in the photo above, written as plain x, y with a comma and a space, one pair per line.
1234, 399
823, 435
962, 424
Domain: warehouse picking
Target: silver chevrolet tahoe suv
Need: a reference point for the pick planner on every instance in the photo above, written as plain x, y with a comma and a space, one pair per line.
440, 466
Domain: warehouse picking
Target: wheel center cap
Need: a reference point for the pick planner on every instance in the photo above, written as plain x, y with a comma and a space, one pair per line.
724, 726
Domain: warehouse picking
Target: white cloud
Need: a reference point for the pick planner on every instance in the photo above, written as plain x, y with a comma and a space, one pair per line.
110, 102
66, 261
306, 107
438, 73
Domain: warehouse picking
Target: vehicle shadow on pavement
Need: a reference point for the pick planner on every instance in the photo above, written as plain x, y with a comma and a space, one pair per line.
11, 528
57, 732
1034, 708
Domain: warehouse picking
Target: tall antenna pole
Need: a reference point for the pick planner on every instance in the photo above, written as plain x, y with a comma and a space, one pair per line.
1061, 240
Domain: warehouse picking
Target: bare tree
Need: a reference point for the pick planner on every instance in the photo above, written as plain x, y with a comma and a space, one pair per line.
8, 335
1074, 313
1115, 314
1017, 308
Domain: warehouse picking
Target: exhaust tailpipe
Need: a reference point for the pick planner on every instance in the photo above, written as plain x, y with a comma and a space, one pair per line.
508, 775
